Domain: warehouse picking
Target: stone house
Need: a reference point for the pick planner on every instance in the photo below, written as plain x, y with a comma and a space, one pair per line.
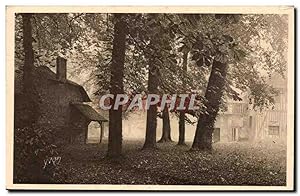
62, 104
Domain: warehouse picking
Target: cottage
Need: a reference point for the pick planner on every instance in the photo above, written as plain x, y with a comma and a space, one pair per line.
62, 104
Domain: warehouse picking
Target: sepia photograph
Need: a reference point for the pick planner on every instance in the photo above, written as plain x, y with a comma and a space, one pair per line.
150, 98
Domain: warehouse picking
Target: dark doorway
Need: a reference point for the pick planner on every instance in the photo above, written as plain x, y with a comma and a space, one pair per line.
235, 134
216, 135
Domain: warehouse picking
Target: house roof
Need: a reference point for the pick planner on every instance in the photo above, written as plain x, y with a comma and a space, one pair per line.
48, 73
84, 94
89, 112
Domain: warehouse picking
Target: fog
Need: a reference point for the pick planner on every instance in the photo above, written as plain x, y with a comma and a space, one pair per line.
134, 128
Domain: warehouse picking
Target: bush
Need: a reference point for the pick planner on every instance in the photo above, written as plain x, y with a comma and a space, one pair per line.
33, 146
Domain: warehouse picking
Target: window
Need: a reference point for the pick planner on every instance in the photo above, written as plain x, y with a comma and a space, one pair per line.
250, 121
274, 130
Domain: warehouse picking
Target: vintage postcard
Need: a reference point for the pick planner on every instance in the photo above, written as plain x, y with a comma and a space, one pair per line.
150, 98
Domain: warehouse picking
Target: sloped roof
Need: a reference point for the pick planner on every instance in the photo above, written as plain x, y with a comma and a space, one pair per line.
45, 73
84, 94
89, 112
48, 73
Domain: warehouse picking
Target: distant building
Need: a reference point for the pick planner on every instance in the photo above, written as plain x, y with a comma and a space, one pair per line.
232, 125
271, 123
240, 123
61, 103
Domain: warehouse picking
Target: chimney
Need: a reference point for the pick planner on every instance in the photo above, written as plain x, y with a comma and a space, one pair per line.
61, 69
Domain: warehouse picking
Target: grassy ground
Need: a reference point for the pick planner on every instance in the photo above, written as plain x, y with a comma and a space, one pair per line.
229, 163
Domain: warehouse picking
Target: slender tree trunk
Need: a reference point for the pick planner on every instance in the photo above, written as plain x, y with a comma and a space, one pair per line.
28, 53
166, 129
151, 124
181, 140
213, 95
101, 131
116, 87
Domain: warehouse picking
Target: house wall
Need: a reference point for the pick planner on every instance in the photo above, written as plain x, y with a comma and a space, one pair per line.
267, 119
256, 125
56, 99
234, 119
275, 117
55, 109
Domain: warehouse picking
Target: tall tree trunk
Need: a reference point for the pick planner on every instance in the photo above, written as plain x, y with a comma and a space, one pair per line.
166, 129
213, 95
181, 140
150, 140
28, 53
116, 87
31, 109
30, 106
